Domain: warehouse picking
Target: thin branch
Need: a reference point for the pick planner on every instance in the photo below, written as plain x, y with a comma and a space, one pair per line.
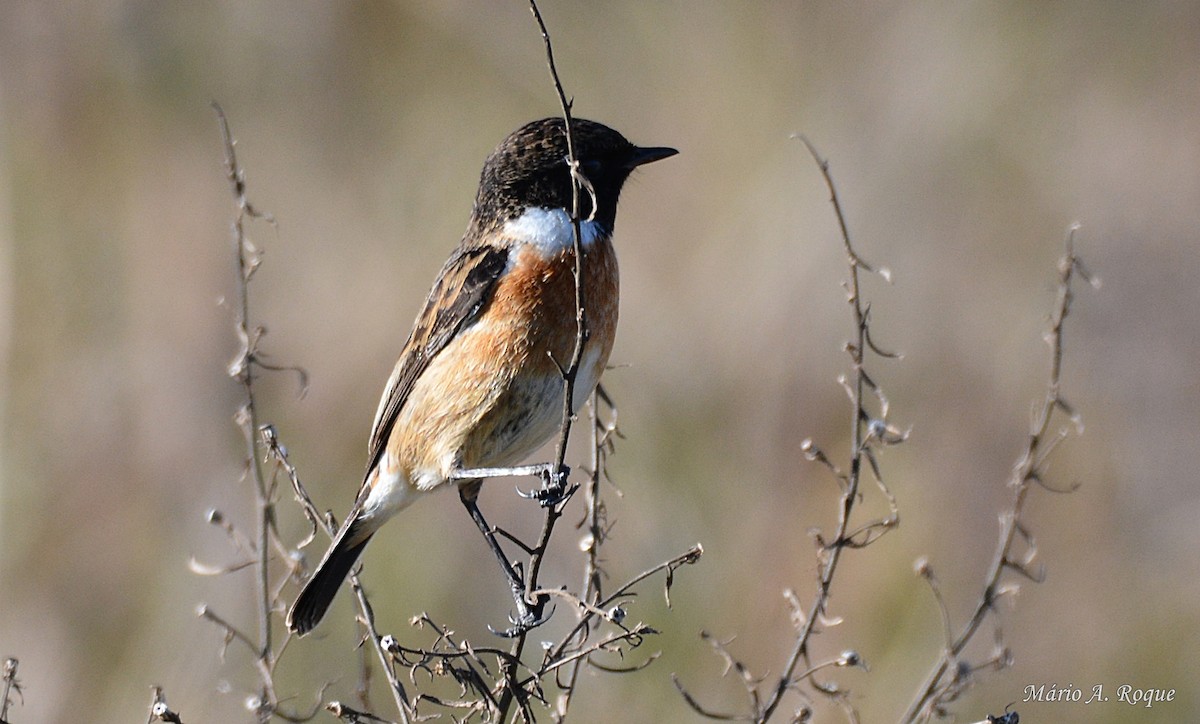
159, 711
578, 182
367, 619
632, 635
353, 716
700, 709
558, 477
601, 606
946, 677
232, 633
242, 370
278, 452
831, 555
11, 685
868, 432
591, 544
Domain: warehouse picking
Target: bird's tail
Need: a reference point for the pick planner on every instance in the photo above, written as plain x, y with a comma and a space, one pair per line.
319, 590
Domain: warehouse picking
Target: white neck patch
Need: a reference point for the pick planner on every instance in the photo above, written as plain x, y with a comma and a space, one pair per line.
551, 230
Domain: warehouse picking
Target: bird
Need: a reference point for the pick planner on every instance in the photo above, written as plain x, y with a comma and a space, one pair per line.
479, 382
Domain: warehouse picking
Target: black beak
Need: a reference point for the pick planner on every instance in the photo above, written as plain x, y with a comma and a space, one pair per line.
641, 156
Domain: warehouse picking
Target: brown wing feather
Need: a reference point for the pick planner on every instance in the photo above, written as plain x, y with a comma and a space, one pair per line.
462, 290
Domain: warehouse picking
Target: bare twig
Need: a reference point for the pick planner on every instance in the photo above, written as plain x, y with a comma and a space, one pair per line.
704, 711
263, 438
601, 608
864, 430
242, 370
159, 711
558, 476
232, 633
367, 619
868, 432
466, 664
353, 716
11, 686
277, 452
597, 530
949, 677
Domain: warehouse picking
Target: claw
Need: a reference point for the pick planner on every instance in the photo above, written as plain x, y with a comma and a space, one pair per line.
554, 490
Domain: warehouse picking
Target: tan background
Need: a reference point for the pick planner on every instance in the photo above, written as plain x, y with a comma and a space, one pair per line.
965, 138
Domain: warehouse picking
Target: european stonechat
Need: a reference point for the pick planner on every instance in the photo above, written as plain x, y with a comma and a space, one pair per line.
479, 383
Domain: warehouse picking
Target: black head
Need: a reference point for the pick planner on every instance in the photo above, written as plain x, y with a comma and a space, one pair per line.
530, 169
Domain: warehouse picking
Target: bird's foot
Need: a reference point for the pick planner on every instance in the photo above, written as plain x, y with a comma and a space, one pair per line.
555, 489
527, 618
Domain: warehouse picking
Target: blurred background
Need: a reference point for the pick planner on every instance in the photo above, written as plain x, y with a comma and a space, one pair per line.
965, 138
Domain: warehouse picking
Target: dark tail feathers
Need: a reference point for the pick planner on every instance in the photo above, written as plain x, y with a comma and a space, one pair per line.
318, 591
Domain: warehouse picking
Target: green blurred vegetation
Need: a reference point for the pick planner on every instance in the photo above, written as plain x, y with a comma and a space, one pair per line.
964, 137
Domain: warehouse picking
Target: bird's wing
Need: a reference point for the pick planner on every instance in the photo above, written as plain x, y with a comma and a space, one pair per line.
462, 290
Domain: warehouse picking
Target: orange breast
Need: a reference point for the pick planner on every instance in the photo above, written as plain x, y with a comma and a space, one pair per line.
494, 394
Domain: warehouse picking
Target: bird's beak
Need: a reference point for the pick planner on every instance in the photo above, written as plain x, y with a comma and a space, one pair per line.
650, 154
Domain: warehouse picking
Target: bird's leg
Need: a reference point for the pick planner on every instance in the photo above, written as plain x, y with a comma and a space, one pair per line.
542, 469
528, 616
554, 480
